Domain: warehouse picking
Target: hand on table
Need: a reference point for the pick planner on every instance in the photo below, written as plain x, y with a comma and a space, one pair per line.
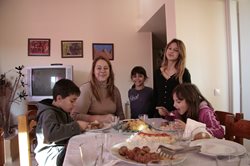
107, 118
103, 118
83, 125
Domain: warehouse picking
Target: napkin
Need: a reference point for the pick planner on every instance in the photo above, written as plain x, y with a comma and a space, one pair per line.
192, 125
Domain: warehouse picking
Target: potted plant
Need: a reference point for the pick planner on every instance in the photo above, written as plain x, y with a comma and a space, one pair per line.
11, 91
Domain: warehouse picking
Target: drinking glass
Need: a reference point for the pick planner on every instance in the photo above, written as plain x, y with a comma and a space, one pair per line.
115, 121
90, 156
228, 160
143, 117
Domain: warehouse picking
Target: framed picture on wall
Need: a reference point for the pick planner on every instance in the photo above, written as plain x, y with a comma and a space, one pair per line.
72, 48
38, 47
103, 49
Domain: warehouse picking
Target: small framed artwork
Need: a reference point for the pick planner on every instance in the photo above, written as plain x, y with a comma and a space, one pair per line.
38, 47
103, 49
72, 48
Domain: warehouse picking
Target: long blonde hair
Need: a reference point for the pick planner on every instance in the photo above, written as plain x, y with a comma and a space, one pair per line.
181, 61
110, 82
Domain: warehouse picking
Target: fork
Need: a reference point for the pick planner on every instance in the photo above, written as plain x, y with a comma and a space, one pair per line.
169, 152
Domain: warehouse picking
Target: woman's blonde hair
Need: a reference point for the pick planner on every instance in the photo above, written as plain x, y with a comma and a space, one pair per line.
181, 61
110, 82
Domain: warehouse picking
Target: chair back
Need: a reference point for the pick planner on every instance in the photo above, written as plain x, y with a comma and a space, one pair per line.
26, 136
237, 129
2, 161
23, 140
221, 116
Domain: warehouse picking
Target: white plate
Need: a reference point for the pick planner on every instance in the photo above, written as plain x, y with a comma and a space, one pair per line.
114, 151
214, 147
105, 127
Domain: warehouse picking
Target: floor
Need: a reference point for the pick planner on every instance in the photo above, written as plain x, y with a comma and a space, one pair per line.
16, 162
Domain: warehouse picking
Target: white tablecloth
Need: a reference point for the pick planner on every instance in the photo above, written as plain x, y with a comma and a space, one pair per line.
72, 157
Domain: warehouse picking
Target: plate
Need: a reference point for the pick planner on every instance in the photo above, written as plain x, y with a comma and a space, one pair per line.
114, 151
105, 127
214, 147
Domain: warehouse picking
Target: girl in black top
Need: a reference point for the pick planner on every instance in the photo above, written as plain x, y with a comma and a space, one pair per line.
171, 73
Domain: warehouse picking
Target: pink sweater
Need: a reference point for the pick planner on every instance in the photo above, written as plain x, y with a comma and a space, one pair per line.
213, 126
207, 117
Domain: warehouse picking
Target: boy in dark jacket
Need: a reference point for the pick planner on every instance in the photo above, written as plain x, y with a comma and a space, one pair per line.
54, 124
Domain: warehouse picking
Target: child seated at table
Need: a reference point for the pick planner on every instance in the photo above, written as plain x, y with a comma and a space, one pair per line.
190, 103
55, 126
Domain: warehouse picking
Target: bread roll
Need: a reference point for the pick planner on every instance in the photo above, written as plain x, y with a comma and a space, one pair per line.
201, 135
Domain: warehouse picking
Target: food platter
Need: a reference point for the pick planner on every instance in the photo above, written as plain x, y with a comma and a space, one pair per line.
115, 153
130, 125
214, 147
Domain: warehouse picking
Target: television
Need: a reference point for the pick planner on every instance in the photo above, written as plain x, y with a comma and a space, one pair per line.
41, 80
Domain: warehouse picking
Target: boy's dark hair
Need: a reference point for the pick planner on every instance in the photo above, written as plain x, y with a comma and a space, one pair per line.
64, 88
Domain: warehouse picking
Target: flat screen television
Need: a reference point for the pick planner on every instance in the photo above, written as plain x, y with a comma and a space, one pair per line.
41, 80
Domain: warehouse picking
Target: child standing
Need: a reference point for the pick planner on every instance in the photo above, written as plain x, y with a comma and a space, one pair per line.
140, 96
55, 126
190, 103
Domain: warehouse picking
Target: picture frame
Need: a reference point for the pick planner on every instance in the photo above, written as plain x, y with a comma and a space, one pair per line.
72, 48
38, 47
103, 49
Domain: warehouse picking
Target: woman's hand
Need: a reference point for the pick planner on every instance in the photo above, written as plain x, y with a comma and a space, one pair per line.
162, 111
104, 118
83, 125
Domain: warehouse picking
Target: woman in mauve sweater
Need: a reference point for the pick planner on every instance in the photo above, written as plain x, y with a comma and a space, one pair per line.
100, 99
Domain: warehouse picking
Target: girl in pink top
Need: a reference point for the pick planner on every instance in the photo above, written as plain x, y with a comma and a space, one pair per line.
190, 103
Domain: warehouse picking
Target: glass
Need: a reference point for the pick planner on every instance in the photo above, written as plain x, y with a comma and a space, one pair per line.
228, 160
92, 154
115, 121
143, 117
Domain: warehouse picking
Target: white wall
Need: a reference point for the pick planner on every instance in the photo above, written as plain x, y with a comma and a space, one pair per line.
146, 9
201, 25
244, 24
109, 21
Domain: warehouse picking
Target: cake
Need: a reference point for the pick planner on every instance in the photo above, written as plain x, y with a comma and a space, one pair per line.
150, 137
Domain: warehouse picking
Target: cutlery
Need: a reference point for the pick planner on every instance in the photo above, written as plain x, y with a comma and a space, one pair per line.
169, 152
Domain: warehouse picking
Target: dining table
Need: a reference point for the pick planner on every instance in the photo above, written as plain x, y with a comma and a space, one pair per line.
73, 156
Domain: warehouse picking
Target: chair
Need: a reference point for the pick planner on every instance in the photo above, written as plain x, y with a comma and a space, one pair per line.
31, 115
26, 136
236, 130
221, 116
1, 148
